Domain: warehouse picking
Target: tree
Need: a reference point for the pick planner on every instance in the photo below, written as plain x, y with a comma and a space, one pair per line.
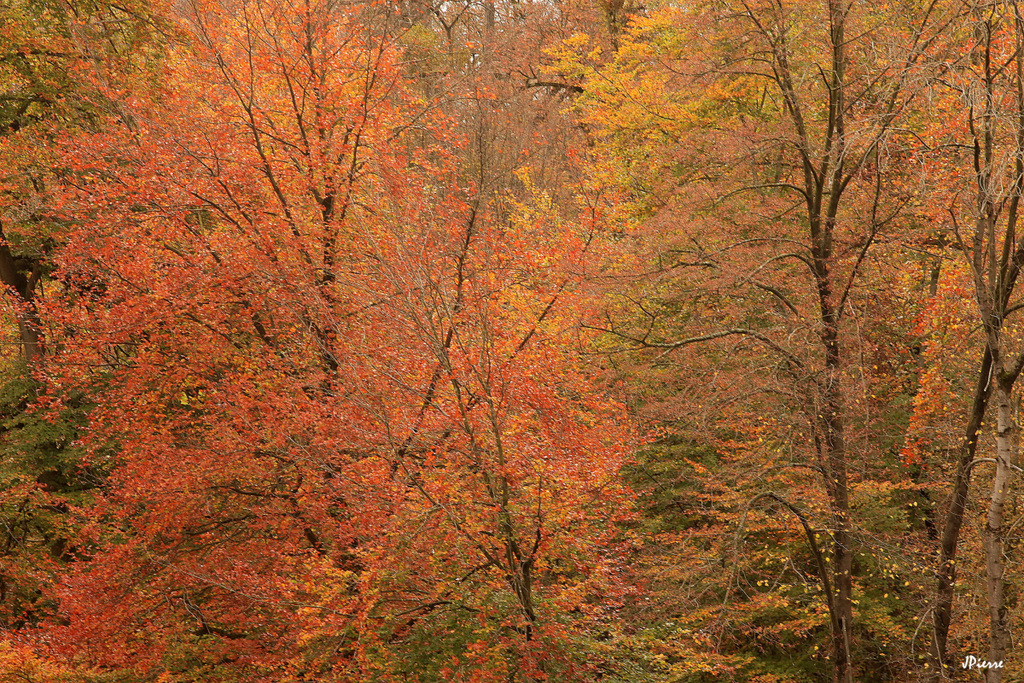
337, 393
64, 67
935, 441
982, 189
763, 168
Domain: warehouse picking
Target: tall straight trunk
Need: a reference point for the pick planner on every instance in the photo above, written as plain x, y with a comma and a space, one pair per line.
842, 568
835, 468
834, 462
825, 209
999, 632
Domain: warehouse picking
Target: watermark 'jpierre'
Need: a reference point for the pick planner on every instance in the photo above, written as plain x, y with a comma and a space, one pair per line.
972, 662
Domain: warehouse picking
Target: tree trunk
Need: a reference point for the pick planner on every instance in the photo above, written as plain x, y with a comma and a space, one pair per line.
999, 633
842, 553
22, 288
843, 565
946, 572
835, 466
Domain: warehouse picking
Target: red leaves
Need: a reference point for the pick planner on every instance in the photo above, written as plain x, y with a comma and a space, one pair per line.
342, 399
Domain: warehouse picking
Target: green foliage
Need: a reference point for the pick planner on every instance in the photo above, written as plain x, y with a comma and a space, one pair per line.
665, 476
41, 480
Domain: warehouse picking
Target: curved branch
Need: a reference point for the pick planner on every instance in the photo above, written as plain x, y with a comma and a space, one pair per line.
778, 295
673, 345
819, 557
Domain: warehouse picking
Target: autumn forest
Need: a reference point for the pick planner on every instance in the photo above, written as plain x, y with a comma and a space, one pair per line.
509, 341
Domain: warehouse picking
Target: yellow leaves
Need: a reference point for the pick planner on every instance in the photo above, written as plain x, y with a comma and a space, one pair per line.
19, 663
653, 103
573, 45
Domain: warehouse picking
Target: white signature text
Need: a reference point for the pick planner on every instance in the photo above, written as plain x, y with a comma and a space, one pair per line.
972, 662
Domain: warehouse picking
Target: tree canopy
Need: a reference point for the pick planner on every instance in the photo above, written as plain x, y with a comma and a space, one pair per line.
510, 341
